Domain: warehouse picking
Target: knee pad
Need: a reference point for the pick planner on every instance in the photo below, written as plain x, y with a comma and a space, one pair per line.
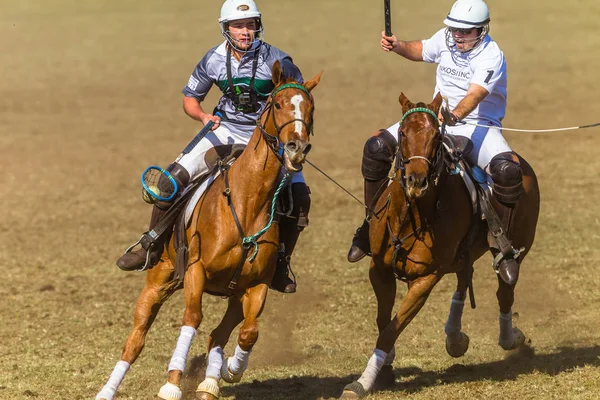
181, 177
180, 174
508, 178
301, 199
378, 155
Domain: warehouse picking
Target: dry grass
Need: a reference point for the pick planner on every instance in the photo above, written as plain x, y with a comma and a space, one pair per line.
89, 96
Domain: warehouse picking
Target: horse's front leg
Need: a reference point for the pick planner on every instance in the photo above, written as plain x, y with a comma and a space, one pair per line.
158, 288
457, 342
383, 282
216, 343
509, 338
418, 291
194, 282
253, 303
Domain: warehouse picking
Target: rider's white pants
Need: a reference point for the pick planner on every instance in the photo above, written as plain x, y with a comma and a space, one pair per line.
487, 142
196, 162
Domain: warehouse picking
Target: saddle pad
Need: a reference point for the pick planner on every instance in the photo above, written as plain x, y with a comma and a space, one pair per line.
189, 208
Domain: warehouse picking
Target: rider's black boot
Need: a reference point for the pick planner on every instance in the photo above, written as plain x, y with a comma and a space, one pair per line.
508, 267
135, 260
289, 231
360, 242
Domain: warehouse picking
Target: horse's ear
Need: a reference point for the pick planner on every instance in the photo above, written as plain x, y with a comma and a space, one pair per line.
436, 103
310, 85
277, 73
405, 103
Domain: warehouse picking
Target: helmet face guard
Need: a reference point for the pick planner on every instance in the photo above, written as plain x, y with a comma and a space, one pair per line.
235, 10
257, 35
451, 44
466, 15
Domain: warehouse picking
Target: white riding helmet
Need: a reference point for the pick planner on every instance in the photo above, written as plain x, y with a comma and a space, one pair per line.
232, 10
466, 14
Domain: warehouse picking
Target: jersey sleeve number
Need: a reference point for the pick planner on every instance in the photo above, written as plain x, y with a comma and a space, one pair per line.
489, 76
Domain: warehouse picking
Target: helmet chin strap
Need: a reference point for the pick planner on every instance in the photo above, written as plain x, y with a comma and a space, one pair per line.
257, 40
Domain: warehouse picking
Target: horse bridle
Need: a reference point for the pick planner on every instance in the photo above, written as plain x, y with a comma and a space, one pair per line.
436, 169
273, 140
436, 164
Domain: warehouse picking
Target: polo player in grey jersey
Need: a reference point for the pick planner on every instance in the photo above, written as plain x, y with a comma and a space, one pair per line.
241, 67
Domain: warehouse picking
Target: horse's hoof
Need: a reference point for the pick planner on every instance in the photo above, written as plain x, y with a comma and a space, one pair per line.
227, 375
519, 339
170, 391
353, 390
385, 378
459, 348
208, 390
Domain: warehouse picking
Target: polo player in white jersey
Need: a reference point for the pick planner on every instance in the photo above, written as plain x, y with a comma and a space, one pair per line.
471, 73
241, 67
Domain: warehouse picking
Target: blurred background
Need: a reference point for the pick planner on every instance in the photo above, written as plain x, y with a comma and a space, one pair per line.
90, 94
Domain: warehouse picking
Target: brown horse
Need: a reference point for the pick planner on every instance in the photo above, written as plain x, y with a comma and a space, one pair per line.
421, 231
220, 262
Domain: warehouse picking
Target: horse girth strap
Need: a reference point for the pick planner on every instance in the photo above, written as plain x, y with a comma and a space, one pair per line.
245, 249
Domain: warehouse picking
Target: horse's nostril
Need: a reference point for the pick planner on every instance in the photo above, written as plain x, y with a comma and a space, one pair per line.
424, 183
292, 146
306, 149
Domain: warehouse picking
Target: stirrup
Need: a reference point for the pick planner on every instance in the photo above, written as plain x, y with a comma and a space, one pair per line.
499, 257
151, 244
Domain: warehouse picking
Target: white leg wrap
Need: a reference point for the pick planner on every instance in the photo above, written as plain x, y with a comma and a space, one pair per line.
114, 381
183, 347
391, 356
215, 361
507, 336
454, 324
373, 367
239, 362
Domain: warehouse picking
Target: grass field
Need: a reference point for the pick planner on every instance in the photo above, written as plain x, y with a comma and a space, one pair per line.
90, 96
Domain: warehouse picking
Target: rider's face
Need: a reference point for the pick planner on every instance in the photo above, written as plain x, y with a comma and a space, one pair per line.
242, 32
464, 39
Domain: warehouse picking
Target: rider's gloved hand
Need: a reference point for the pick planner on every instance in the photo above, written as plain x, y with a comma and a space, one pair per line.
448, 116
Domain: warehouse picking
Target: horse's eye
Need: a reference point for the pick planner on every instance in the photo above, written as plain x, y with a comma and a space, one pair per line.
278, 106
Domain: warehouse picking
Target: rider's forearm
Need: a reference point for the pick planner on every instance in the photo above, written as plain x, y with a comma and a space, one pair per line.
411, 50
193, 109
470, 102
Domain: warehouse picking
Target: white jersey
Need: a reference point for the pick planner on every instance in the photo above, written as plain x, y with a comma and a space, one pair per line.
484, 65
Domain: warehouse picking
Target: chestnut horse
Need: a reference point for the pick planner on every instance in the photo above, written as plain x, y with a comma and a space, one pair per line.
419, 233
220, 261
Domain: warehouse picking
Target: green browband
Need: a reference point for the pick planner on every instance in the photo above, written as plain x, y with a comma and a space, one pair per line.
289, 85
418, 109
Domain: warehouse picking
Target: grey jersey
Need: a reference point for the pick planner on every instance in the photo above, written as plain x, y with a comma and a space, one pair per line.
212, 70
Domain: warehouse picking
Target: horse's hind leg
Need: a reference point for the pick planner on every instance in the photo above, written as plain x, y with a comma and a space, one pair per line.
457, 342
194, 281
510, 338
383, 282
158, 288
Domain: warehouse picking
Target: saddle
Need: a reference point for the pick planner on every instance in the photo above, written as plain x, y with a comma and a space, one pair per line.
224, 158
478, 184
219, 156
